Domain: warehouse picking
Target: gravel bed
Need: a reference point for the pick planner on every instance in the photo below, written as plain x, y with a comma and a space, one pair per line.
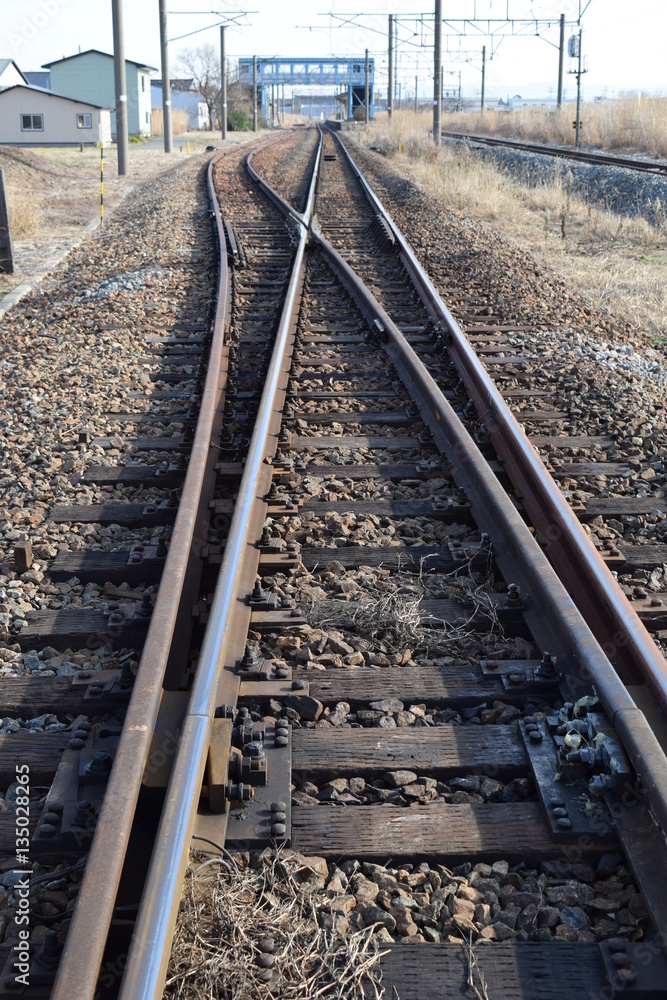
288, 171
614, 189
492, 902
81, 337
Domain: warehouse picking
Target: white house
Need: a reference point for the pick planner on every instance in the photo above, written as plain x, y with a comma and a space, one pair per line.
182, 99
31, 116
10, 74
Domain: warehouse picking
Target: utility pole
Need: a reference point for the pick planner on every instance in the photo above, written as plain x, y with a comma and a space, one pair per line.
390, 84
121, 87
254, 93
561, 60
483, 75
578, 126
166, 84
416, 97
437, 74
367, 88
399, 97
223, 85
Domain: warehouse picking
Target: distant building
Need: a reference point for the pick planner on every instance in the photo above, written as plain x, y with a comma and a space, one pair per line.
182, 99
39, 78
89, 76
31, 116
10, 74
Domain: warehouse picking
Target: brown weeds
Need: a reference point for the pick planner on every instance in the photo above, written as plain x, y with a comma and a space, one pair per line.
236, 917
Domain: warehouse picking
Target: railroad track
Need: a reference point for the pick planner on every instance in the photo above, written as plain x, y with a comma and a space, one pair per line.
372, 574
565, 152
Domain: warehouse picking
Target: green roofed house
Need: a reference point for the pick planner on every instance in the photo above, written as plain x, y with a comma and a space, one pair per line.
89, 76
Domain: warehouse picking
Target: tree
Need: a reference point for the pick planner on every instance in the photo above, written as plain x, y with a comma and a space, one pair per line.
203, 65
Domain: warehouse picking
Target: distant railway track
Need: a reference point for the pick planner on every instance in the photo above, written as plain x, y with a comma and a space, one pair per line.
346, 484
565, 152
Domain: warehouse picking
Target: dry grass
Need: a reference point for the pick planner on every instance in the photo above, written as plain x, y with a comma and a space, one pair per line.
630, 126
617, 262
24, 212
397, 620
229, 910
179, 121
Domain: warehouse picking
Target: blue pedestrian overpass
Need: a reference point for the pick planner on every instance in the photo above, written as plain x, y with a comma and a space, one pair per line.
330, 72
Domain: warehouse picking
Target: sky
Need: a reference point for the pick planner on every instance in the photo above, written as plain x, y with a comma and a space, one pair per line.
624, 44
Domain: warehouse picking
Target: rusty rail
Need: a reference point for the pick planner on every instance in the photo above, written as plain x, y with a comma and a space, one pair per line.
596, 593
86, 939
517, 549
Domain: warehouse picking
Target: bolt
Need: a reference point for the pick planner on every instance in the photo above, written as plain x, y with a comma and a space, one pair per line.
100, 764
48, 955
564, 823
535, 736
254, 749
83, 675
267, 945
281, 741
278, 830
513, 594
265, 961
298, 685
560, 811
278, 807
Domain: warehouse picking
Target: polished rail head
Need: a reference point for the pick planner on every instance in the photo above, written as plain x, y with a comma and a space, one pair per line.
151, 944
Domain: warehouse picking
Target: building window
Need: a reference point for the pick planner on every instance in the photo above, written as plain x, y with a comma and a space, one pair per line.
143, 84
84, 121
32, 123
147, 118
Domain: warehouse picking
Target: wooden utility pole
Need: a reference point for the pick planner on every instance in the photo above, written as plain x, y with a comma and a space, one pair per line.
390, 84
121, 86
367, 88
6, 249
166, 83
254, 93
437, 74
223, 85
561, 60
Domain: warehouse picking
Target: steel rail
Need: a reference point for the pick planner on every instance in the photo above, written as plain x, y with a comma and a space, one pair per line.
549, 610
86, 939
564, 152
151, 943
597, 594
